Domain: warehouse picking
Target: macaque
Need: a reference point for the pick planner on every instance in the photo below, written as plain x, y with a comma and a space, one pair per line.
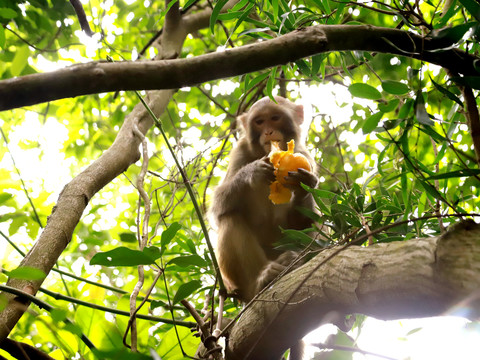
248, 222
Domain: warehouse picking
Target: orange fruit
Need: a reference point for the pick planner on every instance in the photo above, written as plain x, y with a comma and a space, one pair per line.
279, 194
283, 162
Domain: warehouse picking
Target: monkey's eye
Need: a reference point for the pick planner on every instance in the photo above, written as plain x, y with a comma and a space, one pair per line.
258, 121
275, 117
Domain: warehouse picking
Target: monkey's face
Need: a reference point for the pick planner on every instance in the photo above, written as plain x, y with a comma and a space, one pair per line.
271, 122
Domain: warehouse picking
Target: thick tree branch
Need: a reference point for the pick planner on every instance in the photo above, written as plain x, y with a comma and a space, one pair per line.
100, 77
75, 196
23, 351
410, 279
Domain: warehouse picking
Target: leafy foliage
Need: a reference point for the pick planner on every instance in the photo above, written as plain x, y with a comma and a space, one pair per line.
390, 136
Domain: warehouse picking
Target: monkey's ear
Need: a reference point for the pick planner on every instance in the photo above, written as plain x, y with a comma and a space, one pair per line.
298, 114
243, 120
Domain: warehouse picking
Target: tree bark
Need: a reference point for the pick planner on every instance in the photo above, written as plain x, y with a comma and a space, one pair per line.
75, 196
410, 279
98, 77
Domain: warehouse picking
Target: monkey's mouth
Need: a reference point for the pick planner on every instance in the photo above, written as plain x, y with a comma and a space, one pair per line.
267, 146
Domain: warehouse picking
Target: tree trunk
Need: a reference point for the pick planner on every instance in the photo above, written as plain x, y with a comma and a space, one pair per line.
75, 196
409, 279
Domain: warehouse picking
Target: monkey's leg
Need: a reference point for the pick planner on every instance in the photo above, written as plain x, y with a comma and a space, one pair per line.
240, 256
275, 267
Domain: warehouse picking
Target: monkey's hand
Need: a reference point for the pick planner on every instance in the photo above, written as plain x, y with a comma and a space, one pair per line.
286, 260
294, 179
258, 172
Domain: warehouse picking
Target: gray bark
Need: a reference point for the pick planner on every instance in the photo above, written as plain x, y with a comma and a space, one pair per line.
75, 196
98, 77
409, 279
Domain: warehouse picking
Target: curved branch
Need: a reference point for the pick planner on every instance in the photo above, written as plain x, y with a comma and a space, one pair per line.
75, 196
21, 350
82, 17
408, 279
97, 77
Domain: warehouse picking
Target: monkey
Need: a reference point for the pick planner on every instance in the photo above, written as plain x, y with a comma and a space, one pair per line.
248, 222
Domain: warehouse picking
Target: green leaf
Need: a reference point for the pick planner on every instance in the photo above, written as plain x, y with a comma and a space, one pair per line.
421, 112
371, 122
389, 106
158, 304
431, 190
186, 290
128, 238
123, 256
323, 208
229, 15
406, 109
340, 223
119, 354
391, 124
364, 91
275, 8
452, 9
243, 16
8, 13
360, 201
472, 81
152, 252
188, 3
2, 37
58, 314
440, 154
456, 174
169, 233
352, 220
17, 223
447, 92
256, 30
413, 331
297, 236
473, 8
215, 12
256, 80
325, 194
452, 35
435, 135
240, 5
20, 60
343, 208
4, 197
303, 67
395, 87
272, 80
316, 63
27, 273
189, 260
3, 301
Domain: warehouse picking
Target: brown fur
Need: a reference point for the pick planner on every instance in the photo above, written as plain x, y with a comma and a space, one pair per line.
248, 223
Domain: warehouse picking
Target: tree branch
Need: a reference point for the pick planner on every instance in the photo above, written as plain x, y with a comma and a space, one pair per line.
23, 351
473, 118
409, 279
97, 77
75, 196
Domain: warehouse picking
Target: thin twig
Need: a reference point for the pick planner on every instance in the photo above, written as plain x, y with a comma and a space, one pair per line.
350, 349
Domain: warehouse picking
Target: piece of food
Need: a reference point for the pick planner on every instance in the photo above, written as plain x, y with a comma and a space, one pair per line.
283, 162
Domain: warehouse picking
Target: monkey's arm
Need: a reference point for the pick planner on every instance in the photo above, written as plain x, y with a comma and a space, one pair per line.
301, 197
243, 180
